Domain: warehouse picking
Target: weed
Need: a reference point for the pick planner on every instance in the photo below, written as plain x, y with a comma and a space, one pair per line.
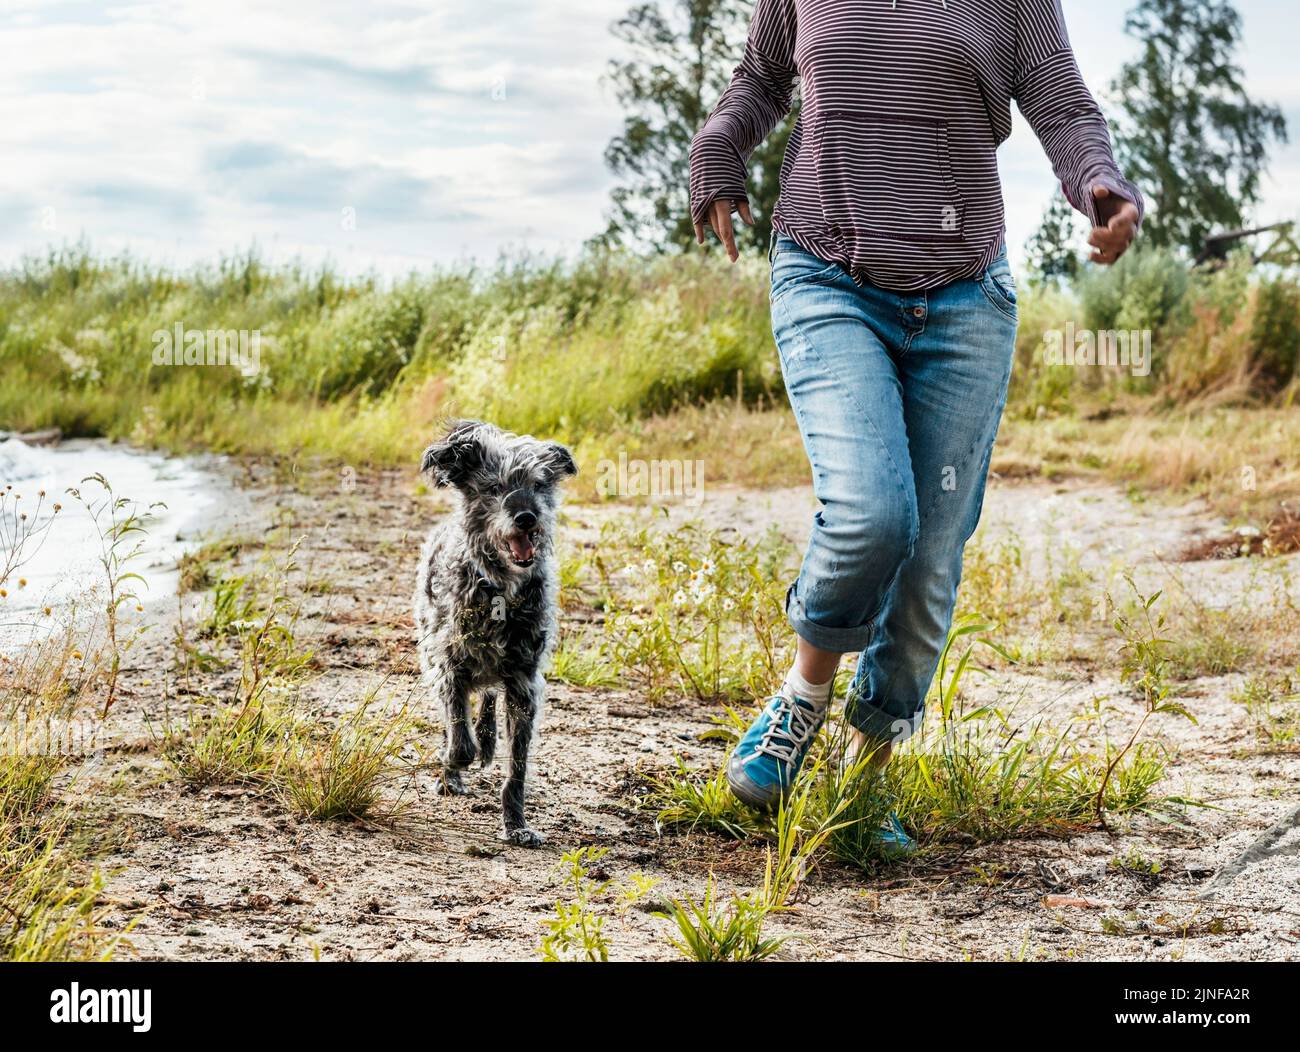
345, 775
576, 932
695, 612
121, 531
1145, 666
1271, 705
239, 743
730, 931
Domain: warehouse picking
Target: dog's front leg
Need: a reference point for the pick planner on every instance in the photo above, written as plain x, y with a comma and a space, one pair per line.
523, 706
458, 750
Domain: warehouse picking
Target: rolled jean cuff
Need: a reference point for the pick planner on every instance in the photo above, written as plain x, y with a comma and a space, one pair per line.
877, 724
836, 640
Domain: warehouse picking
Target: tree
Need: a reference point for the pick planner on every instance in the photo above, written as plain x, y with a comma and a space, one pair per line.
681, 54
1188, 133
1053, 249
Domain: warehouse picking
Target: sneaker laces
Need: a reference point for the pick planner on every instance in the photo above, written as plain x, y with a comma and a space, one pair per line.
790, 728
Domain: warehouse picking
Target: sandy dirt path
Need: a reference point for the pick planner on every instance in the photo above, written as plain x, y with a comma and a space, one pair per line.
229, 873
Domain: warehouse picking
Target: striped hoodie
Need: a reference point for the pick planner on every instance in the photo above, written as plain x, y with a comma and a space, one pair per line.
891, 169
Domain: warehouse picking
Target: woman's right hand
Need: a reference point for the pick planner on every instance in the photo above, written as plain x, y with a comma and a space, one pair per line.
719, 215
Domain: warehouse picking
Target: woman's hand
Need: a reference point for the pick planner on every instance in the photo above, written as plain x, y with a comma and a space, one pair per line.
720, 220
1111, 241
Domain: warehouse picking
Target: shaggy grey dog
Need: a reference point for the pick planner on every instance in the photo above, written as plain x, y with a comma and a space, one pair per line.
485, 598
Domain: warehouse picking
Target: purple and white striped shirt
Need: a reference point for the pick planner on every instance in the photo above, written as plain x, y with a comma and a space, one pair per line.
892, 169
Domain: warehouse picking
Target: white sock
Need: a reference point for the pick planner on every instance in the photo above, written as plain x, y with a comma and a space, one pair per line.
817, 694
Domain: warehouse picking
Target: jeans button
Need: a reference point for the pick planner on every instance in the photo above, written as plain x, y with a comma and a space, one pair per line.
918, 312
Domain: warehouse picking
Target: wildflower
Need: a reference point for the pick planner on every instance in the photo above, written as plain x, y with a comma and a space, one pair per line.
76, 655
3, 594
649, 566
707, 567
22, 582
679, 598
679, 567
728, 603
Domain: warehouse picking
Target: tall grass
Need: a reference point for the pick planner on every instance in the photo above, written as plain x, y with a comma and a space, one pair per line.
353, 367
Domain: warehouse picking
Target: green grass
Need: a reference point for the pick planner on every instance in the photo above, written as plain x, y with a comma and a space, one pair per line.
349, 772
665, 357
49, 891
1273, 706
691, 611
241, 743
972, 774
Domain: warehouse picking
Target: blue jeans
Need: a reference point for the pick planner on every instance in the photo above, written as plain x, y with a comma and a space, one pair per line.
898, 399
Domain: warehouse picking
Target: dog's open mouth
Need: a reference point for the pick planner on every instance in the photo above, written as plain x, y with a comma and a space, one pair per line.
522, 551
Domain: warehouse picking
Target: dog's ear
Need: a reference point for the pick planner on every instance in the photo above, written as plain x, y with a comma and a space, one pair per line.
559, 461
450, 461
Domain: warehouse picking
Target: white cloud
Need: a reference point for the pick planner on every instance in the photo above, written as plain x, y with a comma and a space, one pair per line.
184, 130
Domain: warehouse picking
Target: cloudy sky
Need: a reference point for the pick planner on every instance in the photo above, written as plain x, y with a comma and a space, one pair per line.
388, 135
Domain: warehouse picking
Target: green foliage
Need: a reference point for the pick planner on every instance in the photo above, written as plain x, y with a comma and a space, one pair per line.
48, 893
1053, 249
710, 931
577, 931
1273, 706
972, 774
1141, 291
679, 55
345, 774
241, 743
1275, 332
694, 611
1188, 132
583, 350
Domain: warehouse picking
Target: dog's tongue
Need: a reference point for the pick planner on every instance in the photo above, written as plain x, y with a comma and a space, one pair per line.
521, 548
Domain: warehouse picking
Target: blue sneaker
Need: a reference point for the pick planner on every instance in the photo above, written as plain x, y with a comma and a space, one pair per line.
893, 839
763, 766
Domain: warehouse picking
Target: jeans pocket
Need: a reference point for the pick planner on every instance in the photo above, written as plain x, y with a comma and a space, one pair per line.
1000, 287
792, 266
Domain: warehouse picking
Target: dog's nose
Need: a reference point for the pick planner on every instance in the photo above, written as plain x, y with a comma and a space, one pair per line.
525, 520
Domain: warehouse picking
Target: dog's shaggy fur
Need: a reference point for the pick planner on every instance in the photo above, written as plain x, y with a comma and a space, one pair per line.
485, 598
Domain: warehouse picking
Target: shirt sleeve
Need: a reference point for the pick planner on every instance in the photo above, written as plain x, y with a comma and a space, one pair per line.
1051, 94
758, 96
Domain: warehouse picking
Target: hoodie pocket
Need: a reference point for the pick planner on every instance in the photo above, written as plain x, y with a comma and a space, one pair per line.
886, 176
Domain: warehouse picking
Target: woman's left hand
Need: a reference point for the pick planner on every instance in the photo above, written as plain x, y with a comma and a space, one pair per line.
1111, 241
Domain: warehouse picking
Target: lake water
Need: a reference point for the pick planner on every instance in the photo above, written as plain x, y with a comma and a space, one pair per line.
61, 563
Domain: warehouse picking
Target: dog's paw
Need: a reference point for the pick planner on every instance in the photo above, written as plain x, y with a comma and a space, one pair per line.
461, 755
523, 837
450, 784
